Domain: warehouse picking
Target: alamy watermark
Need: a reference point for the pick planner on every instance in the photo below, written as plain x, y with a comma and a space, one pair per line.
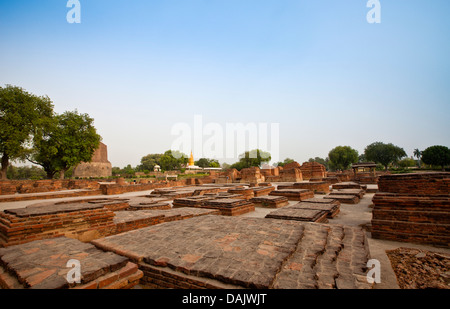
218, 141
374, 274
74, 275
374, 14
74, 14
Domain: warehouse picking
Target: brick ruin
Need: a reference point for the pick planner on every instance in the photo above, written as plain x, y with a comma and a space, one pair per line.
223, 252
318, 187
293, 194
251, 175
42, 264
98, 167
313, 170
413, 208
206, 243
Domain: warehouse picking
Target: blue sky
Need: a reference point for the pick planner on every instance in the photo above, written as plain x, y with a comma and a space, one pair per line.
316, 67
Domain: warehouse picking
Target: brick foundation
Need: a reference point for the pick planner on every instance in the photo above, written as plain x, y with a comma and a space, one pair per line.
418, 212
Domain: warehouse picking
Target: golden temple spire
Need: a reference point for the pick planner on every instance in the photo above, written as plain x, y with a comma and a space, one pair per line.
191, 160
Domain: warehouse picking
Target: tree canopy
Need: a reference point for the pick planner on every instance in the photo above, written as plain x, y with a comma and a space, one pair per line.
385, 154
436, 155
67, 140
149, 162
21, 116
173, 160
341, 157
251, 158
205, 162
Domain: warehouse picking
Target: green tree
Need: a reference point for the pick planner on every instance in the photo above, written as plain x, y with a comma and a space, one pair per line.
204, 162
436, 155
66, 141
341, 157
149, 161
384, 154
25, 172
418, 154
406, 162
251, 158
21, 116
173, 160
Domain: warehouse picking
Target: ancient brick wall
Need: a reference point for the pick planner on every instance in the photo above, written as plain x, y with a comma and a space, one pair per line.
313, 170
413, 208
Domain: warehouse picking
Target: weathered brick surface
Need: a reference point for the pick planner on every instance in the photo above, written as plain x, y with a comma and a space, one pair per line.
230, 207
293, 194
416, 208
299, 214
345, 199
42, 264
416, 183
262, 190
313, 170
131, 220
270, 201
348, 185
332, 208
318, 187
223, 252
357, 192
83, 221
248, 193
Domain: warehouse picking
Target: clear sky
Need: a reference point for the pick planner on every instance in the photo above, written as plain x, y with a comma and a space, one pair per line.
315, 67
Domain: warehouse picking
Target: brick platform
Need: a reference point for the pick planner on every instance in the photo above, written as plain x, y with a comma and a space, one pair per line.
42, 264
348, 185
413, 216
294, 194
318, 187
270, 201
345, 199
357, 192
230, 207
299, 214
83, 221
248, 193
153, 206
132, 220
261, 191
416, 183
332, 208
223, 252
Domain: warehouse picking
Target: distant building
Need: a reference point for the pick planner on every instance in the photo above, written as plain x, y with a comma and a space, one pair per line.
98, 167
